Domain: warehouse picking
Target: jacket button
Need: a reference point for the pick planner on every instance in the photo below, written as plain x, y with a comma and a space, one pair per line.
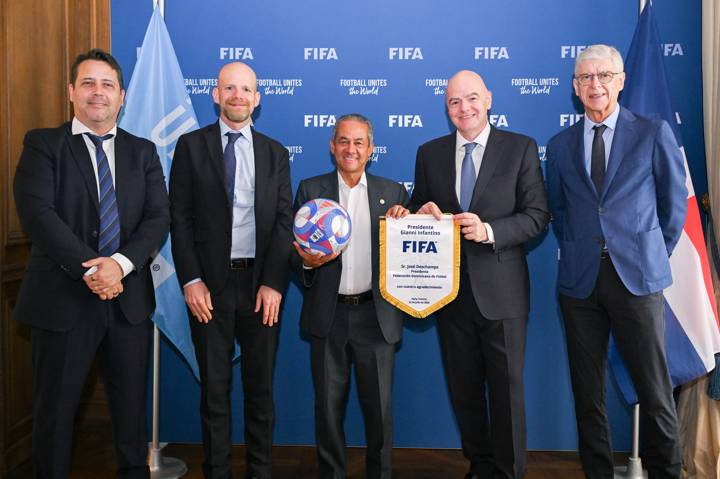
94, 233
601, 210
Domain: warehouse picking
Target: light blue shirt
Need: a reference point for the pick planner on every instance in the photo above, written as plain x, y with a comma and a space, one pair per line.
608, 134
243, 214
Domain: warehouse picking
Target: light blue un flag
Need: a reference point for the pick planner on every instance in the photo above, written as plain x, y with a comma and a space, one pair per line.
157, 107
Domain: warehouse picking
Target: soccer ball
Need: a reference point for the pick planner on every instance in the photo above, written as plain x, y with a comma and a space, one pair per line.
322, 226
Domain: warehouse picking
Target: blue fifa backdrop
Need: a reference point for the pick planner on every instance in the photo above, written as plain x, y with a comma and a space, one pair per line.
390, 61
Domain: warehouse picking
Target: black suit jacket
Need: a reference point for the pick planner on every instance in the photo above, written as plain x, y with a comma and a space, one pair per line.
321, 284
201, 227
57, 202
510, 195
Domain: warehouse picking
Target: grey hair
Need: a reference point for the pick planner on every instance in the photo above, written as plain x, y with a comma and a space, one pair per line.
354, 117
600, 52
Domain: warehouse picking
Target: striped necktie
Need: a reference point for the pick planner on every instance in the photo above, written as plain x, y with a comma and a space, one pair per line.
109, 238
467, 177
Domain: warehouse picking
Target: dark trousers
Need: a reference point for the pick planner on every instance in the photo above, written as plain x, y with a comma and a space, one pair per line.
637, 324
477, 351
355, 337
61, 362
233, 317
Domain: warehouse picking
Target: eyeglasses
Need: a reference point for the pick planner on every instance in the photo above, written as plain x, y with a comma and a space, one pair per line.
603, 77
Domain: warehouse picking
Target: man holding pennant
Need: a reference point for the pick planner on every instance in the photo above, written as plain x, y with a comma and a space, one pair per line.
491, 181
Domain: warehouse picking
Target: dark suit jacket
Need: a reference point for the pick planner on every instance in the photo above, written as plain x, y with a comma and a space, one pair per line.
321, 284
57, 202
639, 215
510, 195
201, 227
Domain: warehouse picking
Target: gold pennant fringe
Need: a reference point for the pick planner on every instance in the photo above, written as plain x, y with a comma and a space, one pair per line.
438, 304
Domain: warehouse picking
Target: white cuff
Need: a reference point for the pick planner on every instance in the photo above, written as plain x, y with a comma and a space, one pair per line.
490, 235
125, 264
192, 281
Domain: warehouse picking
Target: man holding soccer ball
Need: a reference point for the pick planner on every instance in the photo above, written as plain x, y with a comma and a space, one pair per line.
347, 319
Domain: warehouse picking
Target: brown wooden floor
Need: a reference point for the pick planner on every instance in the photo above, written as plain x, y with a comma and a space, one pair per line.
93, 459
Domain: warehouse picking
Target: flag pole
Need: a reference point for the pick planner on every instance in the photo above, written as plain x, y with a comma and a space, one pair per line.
634, 469
160, 467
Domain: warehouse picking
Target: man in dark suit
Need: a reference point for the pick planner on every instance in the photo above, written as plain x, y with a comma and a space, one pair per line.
230, 200
617, 192
91, 198
492, 183
347, 319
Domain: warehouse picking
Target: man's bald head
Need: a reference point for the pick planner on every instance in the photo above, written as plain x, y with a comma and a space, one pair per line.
468, 101
236, 94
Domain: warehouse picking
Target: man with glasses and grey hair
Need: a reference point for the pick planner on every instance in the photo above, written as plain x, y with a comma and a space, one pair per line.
347, 319
616, 184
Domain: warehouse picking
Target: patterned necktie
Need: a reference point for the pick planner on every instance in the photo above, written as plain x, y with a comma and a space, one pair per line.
467, 177
597, 158
109, 238
230, 164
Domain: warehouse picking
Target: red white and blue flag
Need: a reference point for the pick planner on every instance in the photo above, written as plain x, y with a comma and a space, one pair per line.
692, 330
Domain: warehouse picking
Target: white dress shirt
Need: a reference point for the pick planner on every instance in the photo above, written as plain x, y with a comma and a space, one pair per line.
477, 156
356, 276
243, 214
78, 128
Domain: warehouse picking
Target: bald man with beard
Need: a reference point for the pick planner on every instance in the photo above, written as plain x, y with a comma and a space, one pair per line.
490, 180
231, 213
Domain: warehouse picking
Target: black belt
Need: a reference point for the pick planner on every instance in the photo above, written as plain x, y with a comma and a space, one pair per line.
241, 263
355, 299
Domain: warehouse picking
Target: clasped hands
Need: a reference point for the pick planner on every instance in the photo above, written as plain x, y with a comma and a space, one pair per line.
104, 277
471, 226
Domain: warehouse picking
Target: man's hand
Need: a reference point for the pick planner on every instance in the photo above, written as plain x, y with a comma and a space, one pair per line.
197, 297
111, 292
314, 260
397, 212
471, 227
107, 274
430, 208
269, 299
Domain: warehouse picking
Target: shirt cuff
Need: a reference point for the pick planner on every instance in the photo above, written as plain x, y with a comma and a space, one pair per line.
125, 264
490, 235
192, 281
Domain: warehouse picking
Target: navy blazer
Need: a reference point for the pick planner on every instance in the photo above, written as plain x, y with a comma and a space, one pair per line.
321, 284
639, 215
57, 202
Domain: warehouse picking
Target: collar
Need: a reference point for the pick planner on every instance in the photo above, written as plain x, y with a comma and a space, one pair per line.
79, 128
245, 130
343, 185
610, 121
481, 139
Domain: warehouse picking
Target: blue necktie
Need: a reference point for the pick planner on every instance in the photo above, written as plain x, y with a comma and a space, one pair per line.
467, 177
230, 164
109, 238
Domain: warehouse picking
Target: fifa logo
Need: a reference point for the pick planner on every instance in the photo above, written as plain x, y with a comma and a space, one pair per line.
419, 246
236, 54
571, 51
404, 121
672, 49
567, 119
406, 53
491, 53
498, 121
321, 53
319, 121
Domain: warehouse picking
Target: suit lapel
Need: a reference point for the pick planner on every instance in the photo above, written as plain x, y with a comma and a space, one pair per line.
82, 158
577, 156
261, 154
491, 158
123, 184
448, 169
624, 135
377, 203
214, 146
